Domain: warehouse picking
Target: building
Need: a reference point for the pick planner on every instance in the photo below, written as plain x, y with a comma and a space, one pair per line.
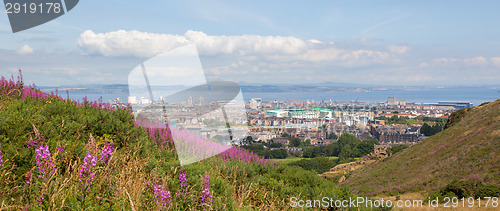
255, 103
145, 100
455, 104
132, 99
394, 101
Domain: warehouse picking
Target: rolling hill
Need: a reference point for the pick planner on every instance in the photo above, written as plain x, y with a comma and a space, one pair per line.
466, 151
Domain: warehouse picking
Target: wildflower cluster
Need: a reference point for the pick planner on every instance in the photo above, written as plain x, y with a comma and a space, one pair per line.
183, 180
107, 153
237, 153
16, 89
86, 175
60, 151
44, 161
160, 133
206, 195
162, 196
183, 185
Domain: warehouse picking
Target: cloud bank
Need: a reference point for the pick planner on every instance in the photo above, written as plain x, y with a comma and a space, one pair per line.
282, 48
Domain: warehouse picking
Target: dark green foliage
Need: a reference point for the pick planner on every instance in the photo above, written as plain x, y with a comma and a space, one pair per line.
332, 136
255, 148
470, 189
428, 130
317, 164
260, 150
347, 146
275, 145
488, 190
274, 154
433, 119
456, 117
485, 103
395, 149
460, 188
295, 142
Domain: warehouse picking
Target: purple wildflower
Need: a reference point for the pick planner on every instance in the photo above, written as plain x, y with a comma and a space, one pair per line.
43, 161
86, 175
107, 153
182, 180
60, 151
162, 196
206, 195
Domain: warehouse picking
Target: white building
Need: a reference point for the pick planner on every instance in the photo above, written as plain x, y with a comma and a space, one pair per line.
255, 103
132, 99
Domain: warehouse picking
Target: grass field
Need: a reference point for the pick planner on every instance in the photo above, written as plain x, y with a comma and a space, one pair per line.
293, 159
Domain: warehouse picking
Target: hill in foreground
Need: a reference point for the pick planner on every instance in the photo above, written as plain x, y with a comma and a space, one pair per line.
467, 151
58, 154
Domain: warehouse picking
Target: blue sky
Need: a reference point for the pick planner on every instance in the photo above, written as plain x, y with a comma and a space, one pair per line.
369, 42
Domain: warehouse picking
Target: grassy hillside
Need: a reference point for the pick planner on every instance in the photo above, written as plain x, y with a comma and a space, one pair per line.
57, 154
467, 151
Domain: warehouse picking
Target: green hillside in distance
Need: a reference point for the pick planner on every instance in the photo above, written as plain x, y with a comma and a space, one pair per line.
466, 151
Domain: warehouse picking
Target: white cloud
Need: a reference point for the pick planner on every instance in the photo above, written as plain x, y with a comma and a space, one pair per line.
478, 60
398, 49
143, 44
129, 43
496, 61
315, 41
24, 50
457, 62
247, 47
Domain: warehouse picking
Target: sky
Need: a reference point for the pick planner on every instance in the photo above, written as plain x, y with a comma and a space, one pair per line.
438, 43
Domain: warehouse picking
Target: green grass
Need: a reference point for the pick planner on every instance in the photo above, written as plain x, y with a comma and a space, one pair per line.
293, 159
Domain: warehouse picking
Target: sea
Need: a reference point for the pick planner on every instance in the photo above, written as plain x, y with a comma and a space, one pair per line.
475, 95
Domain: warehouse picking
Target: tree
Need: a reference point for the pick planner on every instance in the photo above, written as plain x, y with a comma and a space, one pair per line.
332, 136
396, 149
365, 147
249, 139
308, 142
275, 145
285, 135
428, 130
295, 142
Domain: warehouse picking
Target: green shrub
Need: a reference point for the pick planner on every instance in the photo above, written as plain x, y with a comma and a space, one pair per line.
489, 190
317, 164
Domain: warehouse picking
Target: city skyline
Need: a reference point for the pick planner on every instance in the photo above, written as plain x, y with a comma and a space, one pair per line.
379, 43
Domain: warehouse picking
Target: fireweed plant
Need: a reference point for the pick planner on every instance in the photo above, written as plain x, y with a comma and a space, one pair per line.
206, 195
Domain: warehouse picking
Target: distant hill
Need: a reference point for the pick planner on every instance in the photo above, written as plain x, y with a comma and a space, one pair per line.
468, 150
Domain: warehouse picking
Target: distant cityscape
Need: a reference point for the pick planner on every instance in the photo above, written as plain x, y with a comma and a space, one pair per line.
267, 121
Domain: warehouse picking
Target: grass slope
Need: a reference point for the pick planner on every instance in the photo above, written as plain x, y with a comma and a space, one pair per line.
469, 150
